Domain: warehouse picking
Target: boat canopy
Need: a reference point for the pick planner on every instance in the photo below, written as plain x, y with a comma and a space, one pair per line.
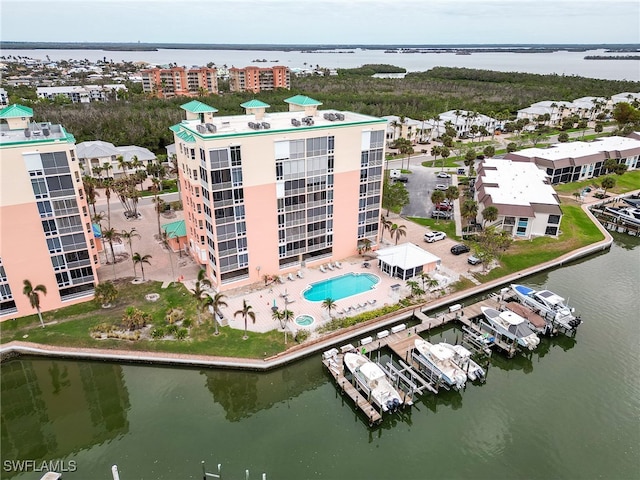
550, 297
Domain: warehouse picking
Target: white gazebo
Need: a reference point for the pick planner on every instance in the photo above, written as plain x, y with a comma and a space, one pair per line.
406, 261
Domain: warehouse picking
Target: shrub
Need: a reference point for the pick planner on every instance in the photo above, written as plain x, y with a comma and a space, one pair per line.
176, 205
301, 335
174, 315
157, 332
181, 334
171, 329
186, 322
134, 319
103, 328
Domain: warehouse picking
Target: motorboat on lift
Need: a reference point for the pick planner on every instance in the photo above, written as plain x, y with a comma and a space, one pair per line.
371, 378
462, 359
512, 326
550, 306
629, 215
441, 361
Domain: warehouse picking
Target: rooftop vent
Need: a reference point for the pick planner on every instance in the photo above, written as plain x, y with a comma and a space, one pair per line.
46, 132
27, 133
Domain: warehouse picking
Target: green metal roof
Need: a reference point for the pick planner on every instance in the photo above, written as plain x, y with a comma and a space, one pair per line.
303, 101
254, 104
198, 107
175, 229
16, 111
175, 128
187, 137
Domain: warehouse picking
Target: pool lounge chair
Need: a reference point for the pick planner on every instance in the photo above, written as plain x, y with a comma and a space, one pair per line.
330, 266
372, 302
280, 279
290, 277
338, 265
322, 269
299, 274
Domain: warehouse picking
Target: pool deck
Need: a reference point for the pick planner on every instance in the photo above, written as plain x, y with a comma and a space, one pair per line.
262, 297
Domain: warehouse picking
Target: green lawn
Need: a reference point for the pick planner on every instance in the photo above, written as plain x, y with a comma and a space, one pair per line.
75, 323
624, 183
577, 231
446, 226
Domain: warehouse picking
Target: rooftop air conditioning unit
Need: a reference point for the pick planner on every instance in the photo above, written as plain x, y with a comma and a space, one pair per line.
339, 116
266, 125
211, 127
27, 132
295, 122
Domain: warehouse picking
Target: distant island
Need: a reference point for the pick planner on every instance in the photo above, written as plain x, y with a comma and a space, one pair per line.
612, 57
343, 48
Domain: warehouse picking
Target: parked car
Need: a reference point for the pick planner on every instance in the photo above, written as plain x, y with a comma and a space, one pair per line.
431, 237
473, 260
461, 171
441, 186
402, 179
459, 248
440, 214
443, 175
444, 207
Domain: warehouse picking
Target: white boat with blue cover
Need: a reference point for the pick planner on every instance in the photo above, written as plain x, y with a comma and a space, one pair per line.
440, 359
549, 305
512, 326
371, 377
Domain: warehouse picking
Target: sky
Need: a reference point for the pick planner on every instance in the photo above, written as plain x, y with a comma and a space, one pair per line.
368, 22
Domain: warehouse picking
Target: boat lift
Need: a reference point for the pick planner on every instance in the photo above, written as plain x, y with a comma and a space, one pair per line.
207, 475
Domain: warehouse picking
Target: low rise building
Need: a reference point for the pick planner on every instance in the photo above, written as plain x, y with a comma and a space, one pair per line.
82, 93
527, 205
96, 157
574, 161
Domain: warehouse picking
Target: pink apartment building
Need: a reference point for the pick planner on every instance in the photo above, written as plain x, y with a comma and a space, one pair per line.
179, 81
46, 235
269, 193
257, 79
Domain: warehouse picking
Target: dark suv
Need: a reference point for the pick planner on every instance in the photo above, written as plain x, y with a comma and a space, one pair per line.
459, 248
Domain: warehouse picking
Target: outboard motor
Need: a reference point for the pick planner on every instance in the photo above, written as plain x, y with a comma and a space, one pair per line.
396, 403
390, 405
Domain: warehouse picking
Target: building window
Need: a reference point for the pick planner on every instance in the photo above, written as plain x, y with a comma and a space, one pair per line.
553, 231
521, 231
554, 219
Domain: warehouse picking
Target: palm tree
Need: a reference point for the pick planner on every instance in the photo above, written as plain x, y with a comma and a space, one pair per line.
158, 201
107, 184
246, 312
397, 231
435, 151
141, 259
415, 288
216, 302
89, 185
128, 237
469, 209
329, 304
437, 197
452, 193
489, 214
122, 163
33, 294
199, 289
386, 225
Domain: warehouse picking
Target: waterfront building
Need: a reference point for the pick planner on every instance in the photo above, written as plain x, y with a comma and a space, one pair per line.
269, 193
179, 81
629, 97
257, 79
574, 161
105, 155
82, 93
47, 235
527, 205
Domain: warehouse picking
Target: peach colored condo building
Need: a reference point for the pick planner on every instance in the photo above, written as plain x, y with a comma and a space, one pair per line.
257, 79
269, 193
46, 234
179, 81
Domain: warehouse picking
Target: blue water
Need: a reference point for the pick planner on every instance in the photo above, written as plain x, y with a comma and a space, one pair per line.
341, 287
305, 320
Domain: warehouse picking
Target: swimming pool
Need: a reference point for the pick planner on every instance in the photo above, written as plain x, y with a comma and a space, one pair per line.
340, 287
